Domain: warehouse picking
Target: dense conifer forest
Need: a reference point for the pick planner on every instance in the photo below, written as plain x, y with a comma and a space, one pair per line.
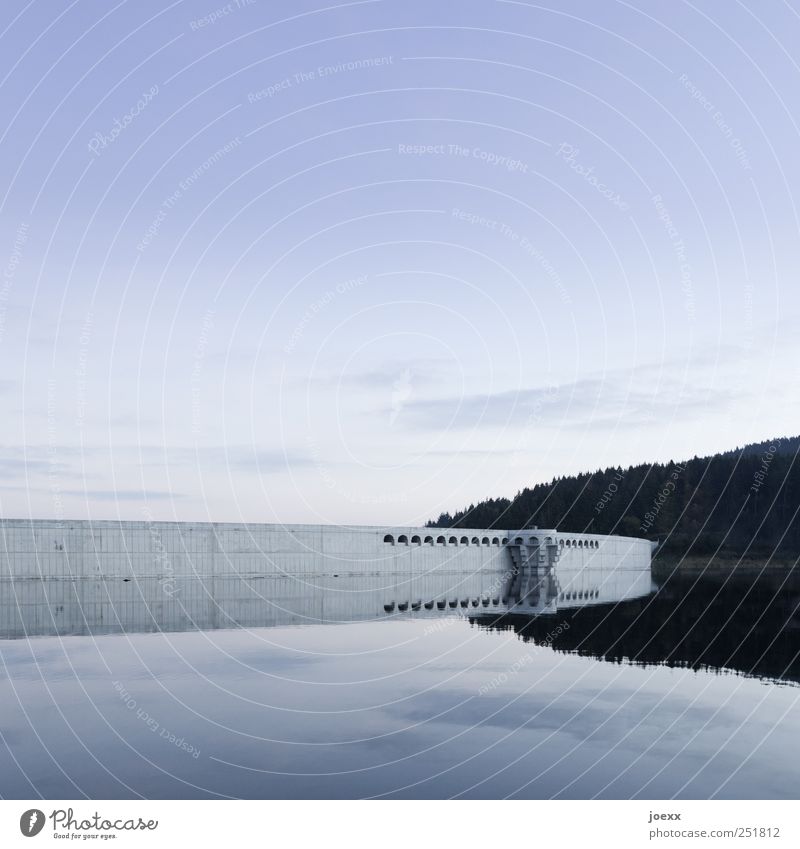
744, 502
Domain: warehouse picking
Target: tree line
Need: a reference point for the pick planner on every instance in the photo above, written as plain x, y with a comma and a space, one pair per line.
744, 502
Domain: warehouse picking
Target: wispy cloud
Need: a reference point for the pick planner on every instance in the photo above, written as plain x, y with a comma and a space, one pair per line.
425, 371
601, 402
22, 466
124, 494
241, 458
14, 466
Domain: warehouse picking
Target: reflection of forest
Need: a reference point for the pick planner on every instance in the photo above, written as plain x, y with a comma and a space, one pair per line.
749, 627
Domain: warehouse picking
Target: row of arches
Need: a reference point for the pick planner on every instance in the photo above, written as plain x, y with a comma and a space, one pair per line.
485, 601
441, 540
579, 543
441, 604
532, 541
579, 595
452, 540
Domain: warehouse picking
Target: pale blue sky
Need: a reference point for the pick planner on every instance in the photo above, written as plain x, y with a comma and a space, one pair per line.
365, 262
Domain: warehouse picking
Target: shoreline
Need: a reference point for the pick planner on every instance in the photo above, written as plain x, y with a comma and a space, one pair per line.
672, 567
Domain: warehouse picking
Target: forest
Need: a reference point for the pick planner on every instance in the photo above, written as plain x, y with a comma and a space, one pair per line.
738, 503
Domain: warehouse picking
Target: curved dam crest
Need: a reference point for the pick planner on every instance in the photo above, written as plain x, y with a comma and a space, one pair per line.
79, 577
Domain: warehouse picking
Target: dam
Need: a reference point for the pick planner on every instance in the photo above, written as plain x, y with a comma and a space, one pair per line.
96, 577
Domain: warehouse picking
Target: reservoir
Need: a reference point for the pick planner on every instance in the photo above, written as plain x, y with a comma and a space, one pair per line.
248, 686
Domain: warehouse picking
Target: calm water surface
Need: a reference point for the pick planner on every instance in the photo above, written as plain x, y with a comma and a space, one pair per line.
685, 695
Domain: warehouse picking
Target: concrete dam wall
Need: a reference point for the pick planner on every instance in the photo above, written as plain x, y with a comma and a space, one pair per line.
77, 577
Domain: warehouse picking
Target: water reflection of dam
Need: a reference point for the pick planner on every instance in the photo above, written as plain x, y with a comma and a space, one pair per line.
84, 577
746, 626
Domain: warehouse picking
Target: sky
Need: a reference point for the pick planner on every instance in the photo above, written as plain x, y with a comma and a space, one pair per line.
366, 262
